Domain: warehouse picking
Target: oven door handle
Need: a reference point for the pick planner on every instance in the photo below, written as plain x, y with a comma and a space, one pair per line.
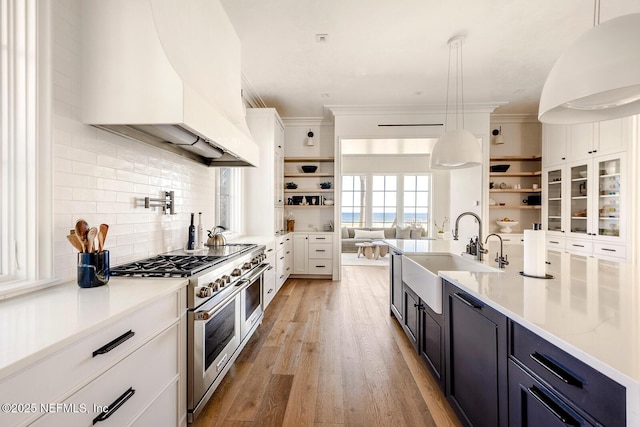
258, 272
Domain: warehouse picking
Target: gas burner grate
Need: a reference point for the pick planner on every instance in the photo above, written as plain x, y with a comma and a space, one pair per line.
166, 266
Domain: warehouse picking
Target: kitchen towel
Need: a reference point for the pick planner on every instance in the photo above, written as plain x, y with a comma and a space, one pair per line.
534, 252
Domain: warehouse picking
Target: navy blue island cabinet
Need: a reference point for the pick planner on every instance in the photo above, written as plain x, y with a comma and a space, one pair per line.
476, 359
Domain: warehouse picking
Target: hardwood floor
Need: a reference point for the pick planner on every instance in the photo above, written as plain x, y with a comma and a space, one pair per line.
329, 354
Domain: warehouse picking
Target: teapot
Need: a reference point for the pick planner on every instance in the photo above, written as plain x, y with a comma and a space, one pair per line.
216, 238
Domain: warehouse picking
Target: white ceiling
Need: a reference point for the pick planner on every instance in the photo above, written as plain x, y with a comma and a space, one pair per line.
394, 52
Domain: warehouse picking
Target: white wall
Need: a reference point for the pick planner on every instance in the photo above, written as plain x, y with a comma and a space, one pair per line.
99, 176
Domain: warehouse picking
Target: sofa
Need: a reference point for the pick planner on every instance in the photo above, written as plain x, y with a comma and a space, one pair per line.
353, 235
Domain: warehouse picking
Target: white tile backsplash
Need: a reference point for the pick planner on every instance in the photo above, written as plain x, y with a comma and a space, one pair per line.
102, 177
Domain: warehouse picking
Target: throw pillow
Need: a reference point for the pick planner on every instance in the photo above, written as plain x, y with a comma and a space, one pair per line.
366, 234
417, 233
345, 233
403, 233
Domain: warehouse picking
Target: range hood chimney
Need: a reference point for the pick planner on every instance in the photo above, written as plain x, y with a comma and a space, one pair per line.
167, 73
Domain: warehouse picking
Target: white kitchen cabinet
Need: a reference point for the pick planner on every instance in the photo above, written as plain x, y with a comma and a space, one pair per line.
282, 268
264, 188
581, 140
269, 287
569, 143
144, 350
131, 388
313, 253
586, 203
554, 144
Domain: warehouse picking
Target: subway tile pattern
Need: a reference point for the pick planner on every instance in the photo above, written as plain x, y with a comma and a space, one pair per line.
104, 178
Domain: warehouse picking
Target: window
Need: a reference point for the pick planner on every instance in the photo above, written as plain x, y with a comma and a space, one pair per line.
353, 193
417, 195
229, 209
385, 200
25, 147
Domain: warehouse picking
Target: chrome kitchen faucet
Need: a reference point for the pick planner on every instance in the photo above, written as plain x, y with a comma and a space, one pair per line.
480, 248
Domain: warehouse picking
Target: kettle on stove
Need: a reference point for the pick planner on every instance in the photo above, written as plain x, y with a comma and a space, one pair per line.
216, 238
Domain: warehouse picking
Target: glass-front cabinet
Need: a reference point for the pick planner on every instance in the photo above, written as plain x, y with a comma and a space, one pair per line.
554, 206
587, 199
610, 203
580, 199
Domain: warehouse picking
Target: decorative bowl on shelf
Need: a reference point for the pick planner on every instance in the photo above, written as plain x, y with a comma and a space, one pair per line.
583, 174
506, 225
325, 185
499, 168
291, 185
309, 168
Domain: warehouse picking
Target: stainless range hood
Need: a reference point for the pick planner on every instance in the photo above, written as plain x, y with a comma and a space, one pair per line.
167, 73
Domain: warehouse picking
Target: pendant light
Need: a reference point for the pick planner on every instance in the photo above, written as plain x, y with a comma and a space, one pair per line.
598, 77
457, 148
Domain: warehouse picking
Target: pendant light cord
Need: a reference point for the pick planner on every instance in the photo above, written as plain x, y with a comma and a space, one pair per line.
596, 13
446, 109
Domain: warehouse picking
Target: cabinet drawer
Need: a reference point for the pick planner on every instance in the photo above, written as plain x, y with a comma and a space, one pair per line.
320, 250
608, 250
270, 248
320, 266
53, 378
144, 375
593, 392
555, 242
320, 238
579, 246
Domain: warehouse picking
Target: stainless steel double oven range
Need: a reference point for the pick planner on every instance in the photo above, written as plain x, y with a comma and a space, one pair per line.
224, 307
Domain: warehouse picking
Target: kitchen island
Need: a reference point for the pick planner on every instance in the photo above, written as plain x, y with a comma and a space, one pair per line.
588, 310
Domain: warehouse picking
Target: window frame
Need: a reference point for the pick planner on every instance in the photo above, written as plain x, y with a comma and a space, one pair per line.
400, 193
235, 226
26, 260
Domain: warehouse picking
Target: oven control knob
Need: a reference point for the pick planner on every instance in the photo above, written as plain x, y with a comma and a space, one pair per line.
246, 266
236, 272
226, 278
255, 261
220, 283
204, 292
213, 286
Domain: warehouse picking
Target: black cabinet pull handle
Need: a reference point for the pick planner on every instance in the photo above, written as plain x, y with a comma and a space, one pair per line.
554, 242
555, 370
111, 409
609, 250
270, 290
552, 407
468, 301
320, 250
113, 344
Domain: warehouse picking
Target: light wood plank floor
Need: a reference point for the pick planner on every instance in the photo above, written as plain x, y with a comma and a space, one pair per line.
329, 354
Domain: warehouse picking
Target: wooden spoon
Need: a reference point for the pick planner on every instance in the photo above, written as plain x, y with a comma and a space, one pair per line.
91, 239
75, 242
82, 228
104, 229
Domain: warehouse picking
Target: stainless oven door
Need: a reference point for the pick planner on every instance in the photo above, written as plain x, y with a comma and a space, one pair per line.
251, 301
214, 339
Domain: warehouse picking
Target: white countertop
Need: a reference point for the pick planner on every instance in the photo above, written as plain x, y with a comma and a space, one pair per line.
39, 323
590, 309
